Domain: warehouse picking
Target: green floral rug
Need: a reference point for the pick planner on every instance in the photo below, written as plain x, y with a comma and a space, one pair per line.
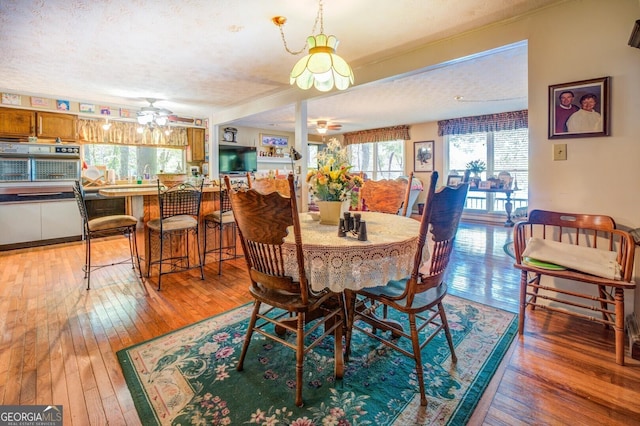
188, 376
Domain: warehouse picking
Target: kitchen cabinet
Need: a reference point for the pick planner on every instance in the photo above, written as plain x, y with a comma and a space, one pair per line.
195, 137
17, 123
20, 222
30, 222
60, 219
52, 126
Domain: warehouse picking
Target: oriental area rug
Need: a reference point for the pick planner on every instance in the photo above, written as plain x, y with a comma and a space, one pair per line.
188, 376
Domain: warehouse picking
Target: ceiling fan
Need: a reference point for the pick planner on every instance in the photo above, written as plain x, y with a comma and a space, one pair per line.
322, 126
159, 116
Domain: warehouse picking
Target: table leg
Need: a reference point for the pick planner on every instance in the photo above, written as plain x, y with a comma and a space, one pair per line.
508, 208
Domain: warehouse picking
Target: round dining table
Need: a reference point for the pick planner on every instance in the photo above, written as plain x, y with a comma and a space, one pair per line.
341, 263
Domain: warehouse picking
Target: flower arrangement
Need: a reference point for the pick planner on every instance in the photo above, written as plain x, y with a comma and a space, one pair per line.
332, 181
476, 166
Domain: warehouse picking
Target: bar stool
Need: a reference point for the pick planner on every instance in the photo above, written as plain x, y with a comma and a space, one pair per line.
101, 226
179, 217
220, 220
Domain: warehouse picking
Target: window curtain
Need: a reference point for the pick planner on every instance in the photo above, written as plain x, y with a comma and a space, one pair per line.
484, 123
126, 133
378, 135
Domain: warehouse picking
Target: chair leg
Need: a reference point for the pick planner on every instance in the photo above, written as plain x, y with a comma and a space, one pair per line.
200, 257
619, 325
133, 249
447, 331
523, 301
247, 338
148, 245
220, 229
160, 261
299, 358
87, 264
418, 358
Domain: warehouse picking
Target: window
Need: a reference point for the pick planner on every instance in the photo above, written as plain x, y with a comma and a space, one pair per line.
378, 160
312, 153
503, 151
131, 160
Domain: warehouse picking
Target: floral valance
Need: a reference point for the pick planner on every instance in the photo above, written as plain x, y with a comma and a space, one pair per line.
126, 133
484, 123
378, 135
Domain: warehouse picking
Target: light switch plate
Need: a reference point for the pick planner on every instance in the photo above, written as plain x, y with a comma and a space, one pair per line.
559, 151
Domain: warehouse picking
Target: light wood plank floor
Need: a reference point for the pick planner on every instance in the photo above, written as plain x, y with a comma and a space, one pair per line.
59, 340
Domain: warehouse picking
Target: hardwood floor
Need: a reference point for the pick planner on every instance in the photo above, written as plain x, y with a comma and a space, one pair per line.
59, 340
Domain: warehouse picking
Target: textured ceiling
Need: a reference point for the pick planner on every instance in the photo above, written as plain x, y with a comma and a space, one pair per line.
202, 57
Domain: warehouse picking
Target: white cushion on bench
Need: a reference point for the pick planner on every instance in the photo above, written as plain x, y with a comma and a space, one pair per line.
601, 263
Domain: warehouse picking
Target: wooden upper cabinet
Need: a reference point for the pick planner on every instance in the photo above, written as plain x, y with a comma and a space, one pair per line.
17, 122
52, 125
22, 123
195, 137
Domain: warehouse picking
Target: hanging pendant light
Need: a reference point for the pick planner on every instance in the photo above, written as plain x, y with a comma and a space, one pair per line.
322, 68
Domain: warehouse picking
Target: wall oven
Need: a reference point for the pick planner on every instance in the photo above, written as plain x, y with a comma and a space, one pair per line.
37, 204
20, 163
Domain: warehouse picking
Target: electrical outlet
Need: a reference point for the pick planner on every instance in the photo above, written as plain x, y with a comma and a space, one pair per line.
559, 151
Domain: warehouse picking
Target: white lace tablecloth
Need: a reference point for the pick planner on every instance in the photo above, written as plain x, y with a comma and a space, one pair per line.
340, 263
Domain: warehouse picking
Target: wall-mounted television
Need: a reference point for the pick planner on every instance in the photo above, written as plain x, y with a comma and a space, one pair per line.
237, 159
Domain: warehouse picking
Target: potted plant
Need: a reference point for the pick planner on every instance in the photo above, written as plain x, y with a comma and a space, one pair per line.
476, 167
331, 181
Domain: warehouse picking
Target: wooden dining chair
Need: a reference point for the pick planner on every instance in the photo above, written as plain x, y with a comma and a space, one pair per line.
179, 217
417, 298
263, 222
385, 196
102, 226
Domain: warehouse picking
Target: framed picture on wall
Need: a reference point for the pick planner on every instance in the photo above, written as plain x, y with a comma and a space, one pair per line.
423, 156
271, 140
579, 109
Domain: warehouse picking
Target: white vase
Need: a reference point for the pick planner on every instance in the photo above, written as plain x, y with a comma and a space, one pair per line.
330, 212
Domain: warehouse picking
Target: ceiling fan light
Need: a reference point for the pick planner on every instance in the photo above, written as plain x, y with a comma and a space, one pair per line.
161, 121
145, 119
322, 130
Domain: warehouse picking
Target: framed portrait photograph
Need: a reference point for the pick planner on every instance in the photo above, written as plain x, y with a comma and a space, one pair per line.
579, 109
454, 180
485, 184
271, 140
423, 156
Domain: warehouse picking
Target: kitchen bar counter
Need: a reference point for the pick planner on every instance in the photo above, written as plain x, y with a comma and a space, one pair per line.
140, 190
141, 201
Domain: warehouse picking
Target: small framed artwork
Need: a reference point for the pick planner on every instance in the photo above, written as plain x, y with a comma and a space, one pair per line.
105, 110
87, 108
484, 184
423, 156
42, 102
454, 180
124, 112
579, 109
62, 105
198, 122
277, 141
11, 99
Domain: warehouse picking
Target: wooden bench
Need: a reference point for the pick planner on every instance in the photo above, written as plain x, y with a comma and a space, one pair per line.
594, 231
